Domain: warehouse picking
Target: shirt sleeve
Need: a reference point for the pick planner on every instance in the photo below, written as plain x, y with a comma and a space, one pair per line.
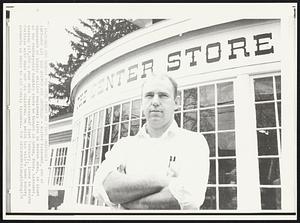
114, 159
190, 186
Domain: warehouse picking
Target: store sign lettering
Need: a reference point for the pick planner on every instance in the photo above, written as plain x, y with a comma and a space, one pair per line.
212, 52
238, 44
115, 79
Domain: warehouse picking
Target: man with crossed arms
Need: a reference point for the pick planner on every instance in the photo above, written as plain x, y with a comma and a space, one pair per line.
163, 166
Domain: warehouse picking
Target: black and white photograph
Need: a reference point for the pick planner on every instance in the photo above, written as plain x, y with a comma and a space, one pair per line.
150, 111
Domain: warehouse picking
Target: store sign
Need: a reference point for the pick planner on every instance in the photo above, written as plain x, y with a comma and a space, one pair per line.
213, 51
225, 51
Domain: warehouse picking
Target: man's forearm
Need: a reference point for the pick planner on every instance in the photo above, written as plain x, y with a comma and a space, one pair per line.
160, 200
122, 188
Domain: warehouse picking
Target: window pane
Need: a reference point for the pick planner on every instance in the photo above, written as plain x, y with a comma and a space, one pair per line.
93, 138
85, 124
115, 133
225, 93
82, 156
265, 115
83, 143
227, 198
86, 195
99, 136
226, 144
269, 173
80, 175
78, 190
97, 155
280, 139
83, 175
90, 123
124, 129
263, 88
226, 118
190, 98
91, 156
190, 120
100, 123
95, 120
104, 150
63, 171
134, 127
278, 86
88, 140
177, 118
211, 141
270, 198
267, 142
106, 134
93, 199
207, 120
279, 112
81, 194
210, 199
108, 116
135, 108
94, 171
116, 113
207, 96
179, 95
212, 172
86, 157
125, 111
88, 177
227, 171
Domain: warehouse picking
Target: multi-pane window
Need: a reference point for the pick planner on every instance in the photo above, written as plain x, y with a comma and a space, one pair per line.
56, 167
178, 110
267, 91
89, 156
209, 109
102, 130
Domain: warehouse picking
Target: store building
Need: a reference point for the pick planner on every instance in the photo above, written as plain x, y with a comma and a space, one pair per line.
229, 77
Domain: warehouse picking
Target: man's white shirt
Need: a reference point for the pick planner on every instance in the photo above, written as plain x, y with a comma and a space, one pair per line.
184, 152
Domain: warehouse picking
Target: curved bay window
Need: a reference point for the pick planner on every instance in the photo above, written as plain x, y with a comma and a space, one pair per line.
208, 109
101, 130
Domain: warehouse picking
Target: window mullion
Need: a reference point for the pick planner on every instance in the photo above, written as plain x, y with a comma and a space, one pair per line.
248, 193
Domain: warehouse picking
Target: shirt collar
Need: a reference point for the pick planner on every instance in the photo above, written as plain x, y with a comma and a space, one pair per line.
168, 133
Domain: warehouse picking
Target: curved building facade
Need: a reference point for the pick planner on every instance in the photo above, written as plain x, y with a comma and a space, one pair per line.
229, 76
